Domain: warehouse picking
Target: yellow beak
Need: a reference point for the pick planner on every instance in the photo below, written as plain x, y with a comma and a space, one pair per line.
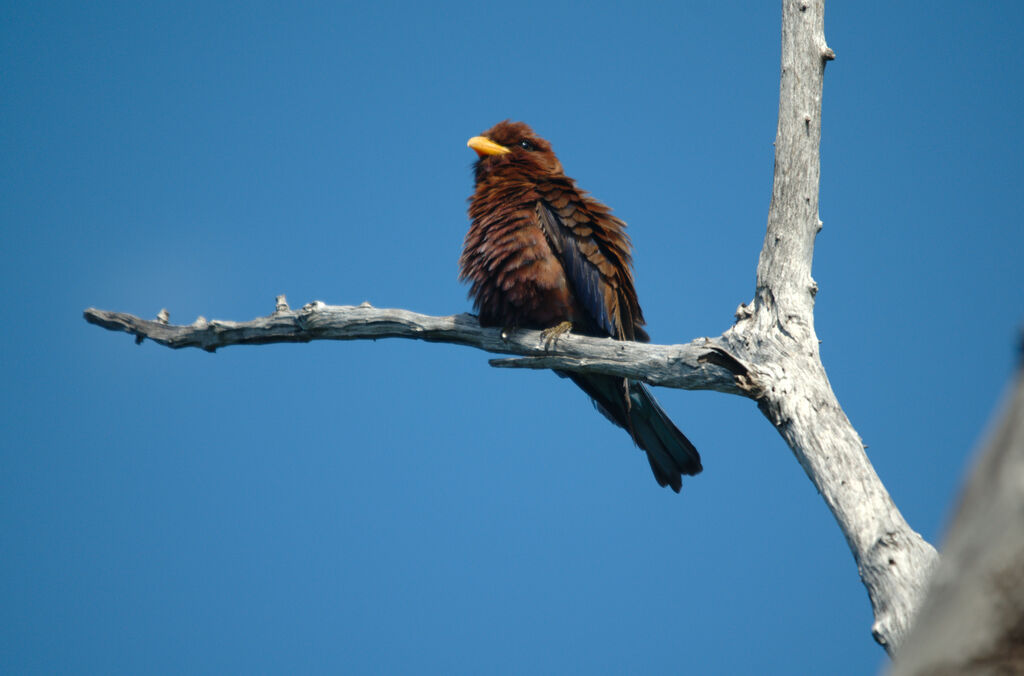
485, 146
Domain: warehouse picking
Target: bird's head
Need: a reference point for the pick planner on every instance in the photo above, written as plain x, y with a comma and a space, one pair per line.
515, 147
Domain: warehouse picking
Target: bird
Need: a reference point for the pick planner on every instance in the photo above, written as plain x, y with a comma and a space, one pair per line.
542, 254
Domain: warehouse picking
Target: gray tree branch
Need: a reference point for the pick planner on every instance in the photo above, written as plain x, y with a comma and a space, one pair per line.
770, 354
693, 366
776, 339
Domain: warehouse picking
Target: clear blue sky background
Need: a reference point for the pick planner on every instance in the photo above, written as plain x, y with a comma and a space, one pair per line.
401, 507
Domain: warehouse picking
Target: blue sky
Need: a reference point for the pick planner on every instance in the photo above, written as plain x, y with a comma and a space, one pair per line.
401, 507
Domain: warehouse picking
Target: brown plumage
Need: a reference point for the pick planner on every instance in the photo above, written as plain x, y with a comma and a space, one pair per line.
541, 252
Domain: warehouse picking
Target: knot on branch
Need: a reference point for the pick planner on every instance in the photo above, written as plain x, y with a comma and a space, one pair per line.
883, 550
742, 375
896, 559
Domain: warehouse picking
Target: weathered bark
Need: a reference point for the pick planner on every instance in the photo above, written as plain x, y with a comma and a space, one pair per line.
683, 366
972, 621
774, 339
770, 354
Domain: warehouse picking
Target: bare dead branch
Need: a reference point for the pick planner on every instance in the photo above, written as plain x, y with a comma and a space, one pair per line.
775, 338
686, 366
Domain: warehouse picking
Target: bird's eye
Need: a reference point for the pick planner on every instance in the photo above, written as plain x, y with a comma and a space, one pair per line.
525, 145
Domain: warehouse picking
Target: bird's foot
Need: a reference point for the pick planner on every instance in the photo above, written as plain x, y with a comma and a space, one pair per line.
551, 336
506, 332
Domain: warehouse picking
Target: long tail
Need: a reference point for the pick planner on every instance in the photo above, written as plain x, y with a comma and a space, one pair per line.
668, 450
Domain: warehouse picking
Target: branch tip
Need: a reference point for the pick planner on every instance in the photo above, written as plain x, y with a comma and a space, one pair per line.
281, 304
163, 316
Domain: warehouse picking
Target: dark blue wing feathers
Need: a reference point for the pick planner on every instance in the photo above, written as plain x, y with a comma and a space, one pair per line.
584, 276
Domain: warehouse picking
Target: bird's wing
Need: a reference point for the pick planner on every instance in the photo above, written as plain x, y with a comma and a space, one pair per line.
594, 250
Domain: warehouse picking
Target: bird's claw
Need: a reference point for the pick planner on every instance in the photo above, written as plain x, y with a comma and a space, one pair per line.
550, 336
